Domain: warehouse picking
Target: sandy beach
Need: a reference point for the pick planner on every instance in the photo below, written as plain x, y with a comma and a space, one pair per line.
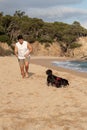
29, 104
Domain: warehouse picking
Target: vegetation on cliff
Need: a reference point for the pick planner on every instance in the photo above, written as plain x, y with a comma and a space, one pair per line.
34, 29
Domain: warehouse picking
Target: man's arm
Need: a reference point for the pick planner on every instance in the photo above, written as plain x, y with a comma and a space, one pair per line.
29, 47
16, 51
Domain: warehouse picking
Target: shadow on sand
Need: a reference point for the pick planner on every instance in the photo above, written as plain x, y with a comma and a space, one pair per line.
30, 74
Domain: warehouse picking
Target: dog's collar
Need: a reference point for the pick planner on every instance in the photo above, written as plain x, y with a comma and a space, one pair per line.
58, 78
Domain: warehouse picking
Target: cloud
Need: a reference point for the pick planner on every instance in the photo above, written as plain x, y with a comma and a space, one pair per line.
59, 13
10, 6
36, 3
56, 13
48, 3
84, 24
50, 10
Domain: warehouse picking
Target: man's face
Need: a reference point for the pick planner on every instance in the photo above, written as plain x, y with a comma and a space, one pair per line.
20, 41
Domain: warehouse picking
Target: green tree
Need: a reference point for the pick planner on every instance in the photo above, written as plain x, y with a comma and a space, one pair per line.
19, 13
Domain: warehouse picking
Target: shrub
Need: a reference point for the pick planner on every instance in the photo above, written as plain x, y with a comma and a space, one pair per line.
75, 45
5, 38
45, 39
47, 45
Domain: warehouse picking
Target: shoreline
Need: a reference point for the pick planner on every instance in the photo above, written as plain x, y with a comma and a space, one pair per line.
46, 62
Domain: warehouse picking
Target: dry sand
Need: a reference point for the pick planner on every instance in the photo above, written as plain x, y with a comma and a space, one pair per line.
29, 104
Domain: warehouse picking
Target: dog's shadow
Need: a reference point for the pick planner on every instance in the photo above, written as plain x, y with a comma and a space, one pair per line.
31, 74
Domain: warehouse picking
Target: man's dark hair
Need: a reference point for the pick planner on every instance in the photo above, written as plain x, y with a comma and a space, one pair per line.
20, 37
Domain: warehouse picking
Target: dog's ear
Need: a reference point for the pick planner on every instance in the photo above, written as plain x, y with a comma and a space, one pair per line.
49, 72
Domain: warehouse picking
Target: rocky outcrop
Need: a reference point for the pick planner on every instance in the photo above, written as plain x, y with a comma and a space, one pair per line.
53, 49
5, 49
46, 49
80, 52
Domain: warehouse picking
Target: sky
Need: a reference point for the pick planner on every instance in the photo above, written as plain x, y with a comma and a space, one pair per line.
66, 11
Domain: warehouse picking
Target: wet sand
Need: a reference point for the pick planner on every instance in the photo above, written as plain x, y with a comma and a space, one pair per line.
47, 62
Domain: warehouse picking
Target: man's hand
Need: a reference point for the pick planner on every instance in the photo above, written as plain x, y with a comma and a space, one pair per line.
16, 51
27, 53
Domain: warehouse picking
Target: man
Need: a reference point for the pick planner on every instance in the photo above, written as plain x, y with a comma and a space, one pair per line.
22, 52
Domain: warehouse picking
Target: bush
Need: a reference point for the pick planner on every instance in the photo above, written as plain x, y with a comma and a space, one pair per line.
2, 31
45, 39
5, 38
75, 45
47, 45
30, 38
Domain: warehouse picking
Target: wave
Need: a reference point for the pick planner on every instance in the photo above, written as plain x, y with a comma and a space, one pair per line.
74, 65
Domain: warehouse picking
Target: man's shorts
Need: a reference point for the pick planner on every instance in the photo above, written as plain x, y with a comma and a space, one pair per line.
23, 61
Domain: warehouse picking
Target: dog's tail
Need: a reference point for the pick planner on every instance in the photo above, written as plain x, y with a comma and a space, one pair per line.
67, 83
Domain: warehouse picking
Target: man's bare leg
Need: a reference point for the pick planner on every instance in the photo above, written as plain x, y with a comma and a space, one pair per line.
22, 71
26, 69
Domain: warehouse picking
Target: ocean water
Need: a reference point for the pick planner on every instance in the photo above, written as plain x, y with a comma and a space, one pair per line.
80, 66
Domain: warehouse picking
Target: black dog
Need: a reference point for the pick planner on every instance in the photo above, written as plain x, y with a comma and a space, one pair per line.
55, 81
